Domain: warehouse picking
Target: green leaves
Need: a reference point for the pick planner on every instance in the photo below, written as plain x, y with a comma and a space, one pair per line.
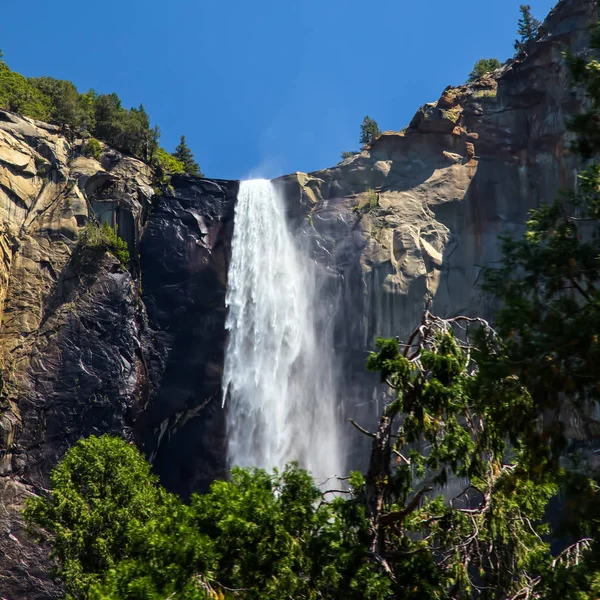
118, 535
19, 95
369, 130
483, 67
527, 29
94, 239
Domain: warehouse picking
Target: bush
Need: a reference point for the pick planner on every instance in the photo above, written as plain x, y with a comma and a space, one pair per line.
117, 534
167, 163
94, 239
482, 67
93, 149
348, 154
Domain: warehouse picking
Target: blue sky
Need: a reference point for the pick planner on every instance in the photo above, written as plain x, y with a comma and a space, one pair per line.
264, 87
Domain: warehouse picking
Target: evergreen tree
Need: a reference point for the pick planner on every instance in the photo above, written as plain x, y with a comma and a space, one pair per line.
348, 154
483, 66
369, 130
64, 97
184, 154
527, 29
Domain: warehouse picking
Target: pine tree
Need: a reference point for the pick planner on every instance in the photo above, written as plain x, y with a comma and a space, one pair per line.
369, 130
528, 28
184, 154
483, 66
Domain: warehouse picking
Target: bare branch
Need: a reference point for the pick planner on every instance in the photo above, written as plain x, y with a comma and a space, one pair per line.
361, 429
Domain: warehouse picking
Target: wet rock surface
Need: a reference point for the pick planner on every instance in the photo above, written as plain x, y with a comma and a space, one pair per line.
185, 252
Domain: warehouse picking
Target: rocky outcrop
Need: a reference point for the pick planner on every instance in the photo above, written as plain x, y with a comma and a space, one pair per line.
71, 336
418, 212
89, 347
415, 216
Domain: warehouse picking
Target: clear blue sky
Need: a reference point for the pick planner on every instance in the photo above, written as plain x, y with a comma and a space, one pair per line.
264, 87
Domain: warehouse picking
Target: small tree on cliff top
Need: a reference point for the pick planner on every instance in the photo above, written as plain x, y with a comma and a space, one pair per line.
483, 66
527, 29
369, 130
184, 154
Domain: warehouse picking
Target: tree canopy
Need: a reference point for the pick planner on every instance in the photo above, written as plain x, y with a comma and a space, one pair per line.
484, 66
101, 116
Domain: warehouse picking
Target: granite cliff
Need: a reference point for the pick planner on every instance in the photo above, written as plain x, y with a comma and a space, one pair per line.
93, 348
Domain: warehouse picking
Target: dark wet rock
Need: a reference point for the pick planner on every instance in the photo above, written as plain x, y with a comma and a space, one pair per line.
185, 252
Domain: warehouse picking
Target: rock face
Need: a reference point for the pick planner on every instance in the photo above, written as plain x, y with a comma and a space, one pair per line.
70, 340
416, 215
418, 212
184, 258
84, 350
88, 347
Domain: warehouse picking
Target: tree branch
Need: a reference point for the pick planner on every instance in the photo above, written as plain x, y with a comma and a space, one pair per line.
361, 429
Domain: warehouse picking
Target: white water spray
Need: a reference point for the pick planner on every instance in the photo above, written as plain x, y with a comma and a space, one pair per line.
278, 379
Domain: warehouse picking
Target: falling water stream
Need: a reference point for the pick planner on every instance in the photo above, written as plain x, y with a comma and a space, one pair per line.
278, 381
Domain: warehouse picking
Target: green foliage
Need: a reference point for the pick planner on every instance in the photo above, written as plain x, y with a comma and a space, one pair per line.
484, 94
102, 116
369, 130
19, 95
113, 529
549, 286
369, 205
482, 67
167, 163
93, 148
94, 239
348, 154
372, 199
90, 114
117, 534
527, 29
63, 99
127, 130
184, 155
456, 423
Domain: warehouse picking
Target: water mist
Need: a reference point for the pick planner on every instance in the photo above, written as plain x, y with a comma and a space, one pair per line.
278, 381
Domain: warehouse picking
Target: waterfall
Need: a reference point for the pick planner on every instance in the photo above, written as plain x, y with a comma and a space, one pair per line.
278, 380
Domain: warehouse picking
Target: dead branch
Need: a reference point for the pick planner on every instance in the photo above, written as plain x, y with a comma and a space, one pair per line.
361, 429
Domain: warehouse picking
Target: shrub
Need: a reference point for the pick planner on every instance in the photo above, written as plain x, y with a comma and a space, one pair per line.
348, 154
372, 199
485, 94
483, 66
94, 239
93, 149
167, 163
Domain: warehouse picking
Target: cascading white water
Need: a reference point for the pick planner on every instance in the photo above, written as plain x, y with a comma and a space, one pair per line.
278, 379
